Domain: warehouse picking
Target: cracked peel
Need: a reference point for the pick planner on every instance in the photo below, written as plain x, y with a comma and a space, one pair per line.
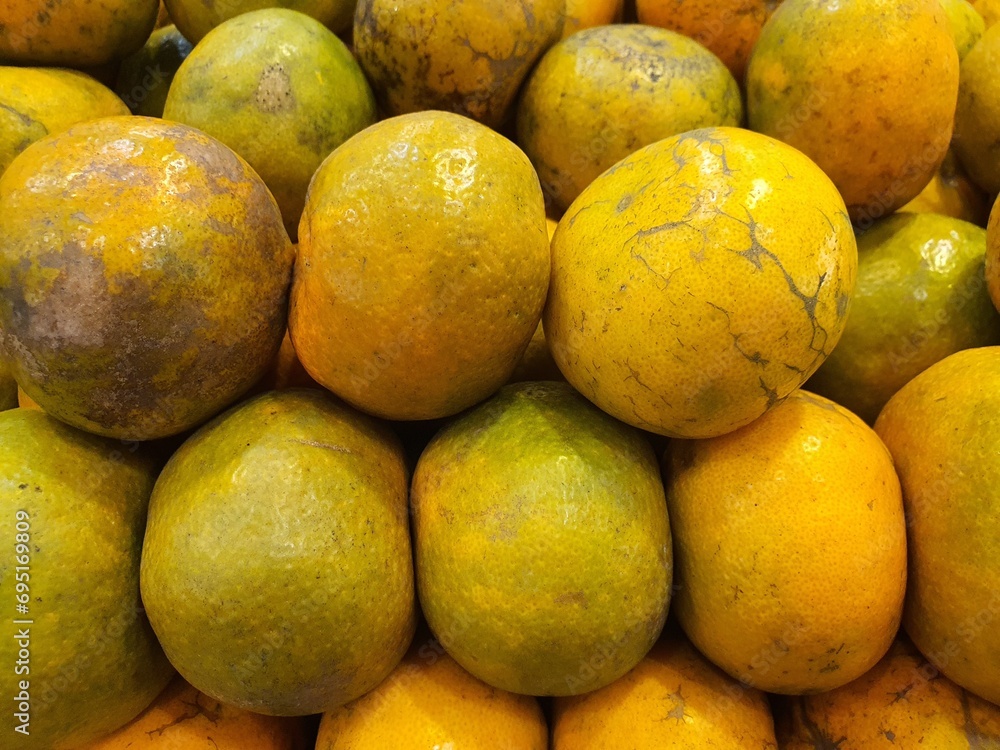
722, 282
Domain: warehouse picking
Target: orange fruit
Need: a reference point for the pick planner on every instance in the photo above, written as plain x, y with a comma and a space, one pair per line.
25, 401
901, 702
944, 436
464, 56
584, 14
181, 717
920, 296
605, 92
977, 116
672, 700
967, 26
951, 193
36, 102
756, 593
144, 276
144, 77
431, 702
195, 18
872, 103
699, 281
74, 508
74, 32
285, 93
284, 597
729, 28
542, 542
427, 233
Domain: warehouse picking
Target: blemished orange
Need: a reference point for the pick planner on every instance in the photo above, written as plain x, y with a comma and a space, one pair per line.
729, 28
865, 88
464, 56
116, 317
699, 281
423, 266
902, 702
790, 545
181, 718
945, 438
74, 32
429, 701
674, 699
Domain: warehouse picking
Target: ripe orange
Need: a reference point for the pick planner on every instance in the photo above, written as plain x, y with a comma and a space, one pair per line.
758, 594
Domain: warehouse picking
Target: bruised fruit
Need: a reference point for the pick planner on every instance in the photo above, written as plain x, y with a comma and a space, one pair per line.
144, 275
699, 281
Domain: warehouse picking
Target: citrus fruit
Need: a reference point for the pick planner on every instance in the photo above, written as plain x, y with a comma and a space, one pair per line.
921, 295
604, 92
672, 700
181, 717
989, 10
286, 597
699, 281
144, 275
74, 32
790, 544
25, 401
977, 117
285, 92
993, 255
195, 18
866, 88
427, 233
431, 702
465, 56
584, 14
144, 77
286, 370
537, 362
36, 102
542, 542
81, 658
967, 26
727, 27
943, 433
951, 193
901, 702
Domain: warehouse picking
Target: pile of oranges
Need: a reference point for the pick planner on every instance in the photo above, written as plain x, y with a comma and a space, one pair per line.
570, 374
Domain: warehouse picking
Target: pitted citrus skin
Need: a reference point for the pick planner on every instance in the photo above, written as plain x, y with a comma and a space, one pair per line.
700, 281
144, 274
